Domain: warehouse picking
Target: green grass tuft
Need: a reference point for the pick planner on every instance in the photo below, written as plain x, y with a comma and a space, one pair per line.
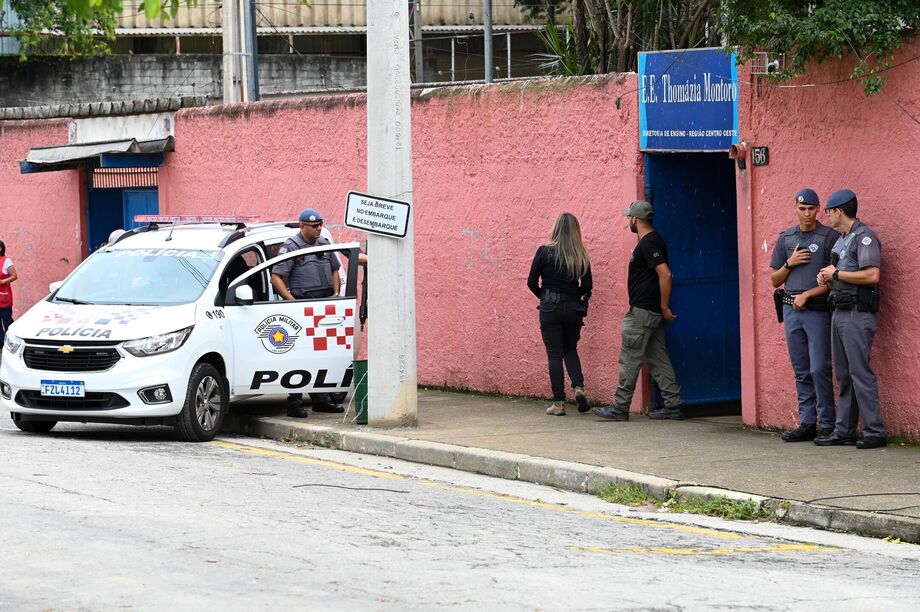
721, 507
633, 495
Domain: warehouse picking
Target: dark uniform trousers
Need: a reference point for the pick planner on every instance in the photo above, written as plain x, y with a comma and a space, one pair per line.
808, 338
852, 332
315, 398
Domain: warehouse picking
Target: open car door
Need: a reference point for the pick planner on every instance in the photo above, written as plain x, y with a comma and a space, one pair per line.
292, 346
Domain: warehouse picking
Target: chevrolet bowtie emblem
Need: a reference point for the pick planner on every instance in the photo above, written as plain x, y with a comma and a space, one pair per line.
66, 349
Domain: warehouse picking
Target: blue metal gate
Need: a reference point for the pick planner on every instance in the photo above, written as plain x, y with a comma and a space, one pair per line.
111, 209
694, 199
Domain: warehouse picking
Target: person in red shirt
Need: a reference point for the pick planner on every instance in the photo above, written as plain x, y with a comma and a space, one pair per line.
7, 276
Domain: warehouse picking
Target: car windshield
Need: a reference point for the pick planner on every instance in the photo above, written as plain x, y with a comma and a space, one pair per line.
158, 277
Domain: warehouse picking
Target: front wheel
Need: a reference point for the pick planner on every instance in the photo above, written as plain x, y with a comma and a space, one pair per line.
206, 405
32, 426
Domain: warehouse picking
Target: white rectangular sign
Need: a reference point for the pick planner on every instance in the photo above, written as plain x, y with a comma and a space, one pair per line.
376, 215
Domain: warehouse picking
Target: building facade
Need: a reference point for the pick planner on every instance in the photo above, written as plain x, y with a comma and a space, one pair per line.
493, 167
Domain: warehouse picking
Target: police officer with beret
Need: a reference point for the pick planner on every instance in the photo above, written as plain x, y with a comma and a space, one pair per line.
308, 277
800, 252
853, 277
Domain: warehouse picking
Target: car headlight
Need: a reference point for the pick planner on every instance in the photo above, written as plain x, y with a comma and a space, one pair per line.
12, 343
157, 345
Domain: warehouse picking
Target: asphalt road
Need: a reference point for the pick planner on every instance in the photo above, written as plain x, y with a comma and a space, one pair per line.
106, 517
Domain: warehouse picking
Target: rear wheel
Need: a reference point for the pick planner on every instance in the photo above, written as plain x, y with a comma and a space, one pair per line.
206, 405
32, 426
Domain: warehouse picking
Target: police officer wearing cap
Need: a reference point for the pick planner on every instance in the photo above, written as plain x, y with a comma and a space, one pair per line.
308, 277
800, 252
853, 277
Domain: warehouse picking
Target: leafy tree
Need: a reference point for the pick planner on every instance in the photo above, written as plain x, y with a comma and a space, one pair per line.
607, 35
82, 28
77, 35
869, 31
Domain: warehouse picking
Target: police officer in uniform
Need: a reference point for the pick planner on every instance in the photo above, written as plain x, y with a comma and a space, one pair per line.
853, 277
800, 252
308, 277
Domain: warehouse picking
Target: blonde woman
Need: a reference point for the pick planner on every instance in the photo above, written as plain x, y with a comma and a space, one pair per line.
560, 277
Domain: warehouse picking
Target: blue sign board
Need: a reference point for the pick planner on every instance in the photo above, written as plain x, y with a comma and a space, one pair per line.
688, 100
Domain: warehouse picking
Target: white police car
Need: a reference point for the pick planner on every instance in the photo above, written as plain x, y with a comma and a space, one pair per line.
171, 323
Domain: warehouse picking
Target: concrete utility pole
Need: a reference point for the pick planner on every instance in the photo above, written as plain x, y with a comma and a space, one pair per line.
417, 34
239, 33
252, 64
487, 38
232, 48
392, 378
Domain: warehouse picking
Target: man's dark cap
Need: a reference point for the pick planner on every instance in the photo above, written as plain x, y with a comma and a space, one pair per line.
807, 196
839, 198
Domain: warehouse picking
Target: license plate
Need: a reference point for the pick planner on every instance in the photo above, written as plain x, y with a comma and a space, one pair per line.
63, 388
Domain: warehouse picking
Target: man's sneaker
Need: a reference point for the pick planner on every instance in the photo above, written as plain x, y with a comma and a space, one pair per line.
872, 442
582, 400
556, 409
805, 432
328, 407
675, 414
611, 412
833, 439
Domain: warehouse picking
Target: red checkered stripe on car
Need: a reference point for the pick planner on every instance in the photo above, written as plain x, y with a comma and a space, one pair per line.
327, 338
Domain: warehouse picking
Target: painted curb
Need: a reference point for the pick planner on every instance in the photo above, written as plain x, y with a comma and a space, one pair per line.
567, 475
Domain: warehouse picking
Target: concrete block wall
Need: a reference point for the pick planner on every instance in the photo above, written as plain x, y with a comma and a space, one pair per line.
137, 77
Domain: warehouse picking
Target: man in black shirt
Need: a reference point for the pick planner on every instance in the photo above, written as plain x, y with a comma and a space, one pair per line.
643, 340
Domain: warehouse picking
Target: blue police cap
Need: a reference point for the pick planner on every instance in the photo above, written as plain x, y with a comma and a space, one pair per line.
807, 196
840, 197
310, 216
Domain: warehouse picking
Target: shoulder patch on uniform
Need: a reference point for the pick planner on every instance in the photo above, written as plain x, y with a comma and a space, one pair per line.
867, 240
656, 254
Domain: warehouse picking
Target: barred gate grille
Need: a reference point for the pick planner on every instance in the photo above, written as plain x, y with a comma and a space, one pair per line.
113, 178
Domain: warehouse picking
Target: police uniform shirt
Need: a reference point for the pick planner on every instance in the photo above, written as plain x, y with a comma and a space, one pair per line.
857, 250
308, 272
819, 243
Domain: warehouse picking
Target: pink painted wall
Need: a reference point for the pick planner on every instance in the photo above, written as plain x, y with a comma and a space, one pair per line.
831, 137
492, 170
40, 214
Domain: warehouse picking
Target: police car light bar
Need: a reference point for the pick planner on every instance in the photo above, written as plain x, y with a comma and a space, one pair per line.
195, 219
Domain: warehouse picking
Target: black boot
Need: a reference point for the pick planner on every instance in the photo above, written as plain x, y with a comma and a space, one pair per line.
611, 412
805, 432
295, 407
675, 414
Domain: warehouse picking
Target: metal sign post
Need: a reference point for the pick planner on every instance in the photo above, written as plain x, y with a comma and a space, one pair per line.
392, 378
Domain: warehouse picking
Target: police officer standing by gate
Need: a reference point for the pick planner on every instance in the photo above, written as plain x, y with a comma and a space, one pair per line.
853, 277
800, 252
308, 277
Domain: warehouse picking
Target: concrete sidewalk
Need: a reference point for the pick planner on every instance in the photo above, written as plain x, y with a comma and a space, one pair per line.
873, 492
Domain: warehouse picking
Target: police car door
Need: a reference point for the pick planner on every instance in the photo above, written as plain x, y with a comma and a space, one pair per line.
292, 346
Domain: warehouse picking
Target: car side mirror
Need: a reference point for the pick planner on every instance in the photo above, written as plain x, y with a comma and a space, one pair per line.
55, 286
244, 295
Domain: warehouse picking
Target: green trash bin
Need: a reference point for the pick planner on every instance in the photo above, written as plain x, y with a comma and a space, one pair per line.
360, 367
